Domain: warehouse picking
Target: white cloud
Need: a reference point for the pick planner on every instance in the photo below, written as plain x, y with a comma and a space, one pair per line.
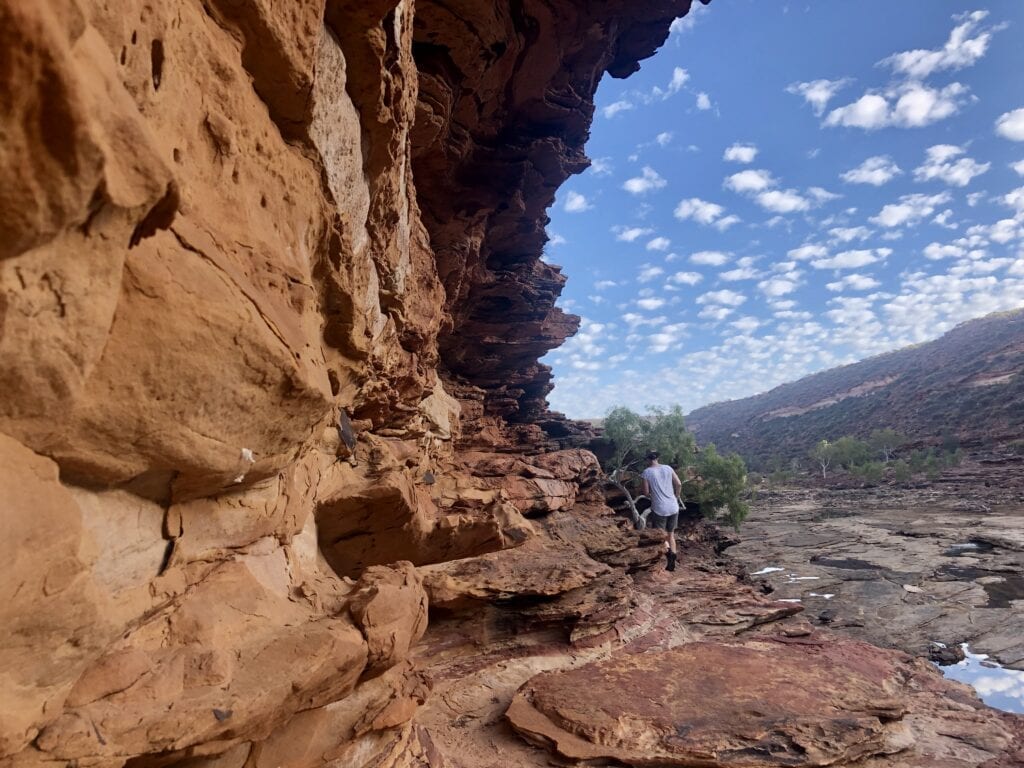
740, 273
937, 251
659, 244
555, 239
913, 105
746, 324
648, 273
650, 304
699, 210
750, 181
601, 285
663, 138
715, 313
724, 297
629, 234
601, 166
818, 93
849, 234
726, 221
686, 278
709, 258
576, 203
703, 101
615, 107
852, 259
807, 252
854, 282
943, 219
822, 196
686, 23
783, 201
740, 153
1014, 199
679, 78
648, 180
974, 198
778, 286
910, 209
944, 162
961, 50
1018, 167
1011, 125
876, 171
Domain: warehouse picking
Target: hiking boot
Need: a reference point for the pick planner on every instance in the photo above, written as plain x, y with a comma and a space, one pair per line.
671, 561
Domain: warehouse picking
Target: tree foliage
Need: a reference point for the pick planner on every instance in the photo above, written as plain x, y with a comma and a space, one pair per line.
716, 482
886, 442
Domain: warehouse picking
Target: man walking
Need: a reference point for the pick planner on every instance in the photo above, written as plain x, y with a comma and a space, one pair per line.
662, 486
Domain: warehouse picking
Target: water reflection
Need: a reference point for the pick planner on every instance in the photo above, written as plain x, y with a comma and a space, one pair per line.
997, 686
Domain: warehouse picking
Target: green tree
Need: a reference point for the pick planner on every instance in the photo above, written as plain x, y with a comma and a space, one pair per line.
871, 472
901, 471
850, 452
632, 435
721, 484
823, 454
885, 442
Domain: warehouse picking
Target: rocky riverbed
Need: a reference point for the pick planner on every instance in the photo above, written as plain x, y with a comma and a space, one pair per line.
905, 568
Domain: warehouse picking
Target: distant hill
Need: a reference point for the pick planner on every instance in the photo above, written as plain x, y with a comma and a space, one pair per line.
967, 383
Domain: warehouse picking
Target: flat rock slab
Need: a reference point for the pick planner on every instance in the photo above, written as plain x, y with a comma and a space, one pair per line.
799, 702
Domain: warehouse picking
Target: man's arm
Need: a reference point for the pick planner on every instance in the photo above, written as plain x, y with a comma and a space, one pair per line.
677, 486
645, 487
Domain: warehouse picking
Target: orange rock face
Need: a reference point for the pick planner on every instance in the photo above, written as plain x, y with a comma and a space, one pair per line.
271, 307
275, 456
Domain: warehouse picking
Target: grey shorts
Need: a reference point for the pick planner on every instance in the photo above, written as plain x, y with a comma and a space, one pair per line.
663, 522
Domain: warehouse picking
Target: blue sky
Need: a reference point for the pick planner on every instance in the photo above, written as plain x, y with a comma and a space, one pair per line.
788, 187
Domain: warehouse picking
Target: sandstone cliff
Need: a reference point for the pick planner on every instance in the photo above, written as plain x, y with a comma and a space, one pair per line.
271, 307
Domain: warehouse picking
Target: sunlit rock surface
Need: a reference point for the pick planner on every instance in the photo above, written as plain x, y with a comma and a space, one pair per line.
280, 483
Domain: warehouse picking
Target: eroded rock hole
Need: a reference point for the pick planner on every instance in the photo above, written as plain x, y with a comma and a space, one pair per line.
156, 57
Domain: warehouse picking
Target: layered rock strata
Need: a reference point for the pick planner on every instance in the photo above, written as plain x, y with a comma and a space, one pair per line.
271, 304
271, 308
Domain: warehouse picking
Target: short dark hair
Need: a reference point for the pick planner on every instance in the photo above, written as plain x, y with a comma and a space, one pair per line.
651, 455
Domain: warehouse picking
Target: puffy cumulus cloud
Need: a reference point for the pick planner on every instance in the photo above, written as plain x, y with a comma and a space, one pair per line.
740, 153
943, 219
849, 234
853, 259
853, 282
724, 297
715, 312
821, 195
742, 272
703, 101
907, 105
651, 303
807, 252
709, 258
1014, 199
649, 272
937, 251
601, 166
967, 43
686, 278
705, 213
611, 110
818, 93
555, 239
749, 181
775, 287
664, 138
659, 244
576, 203
909, 210
648, 180
1018, 167
685, 23
680, 77
946, 163
746, 324
669, 336
783, 201
877, 170
630, 234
